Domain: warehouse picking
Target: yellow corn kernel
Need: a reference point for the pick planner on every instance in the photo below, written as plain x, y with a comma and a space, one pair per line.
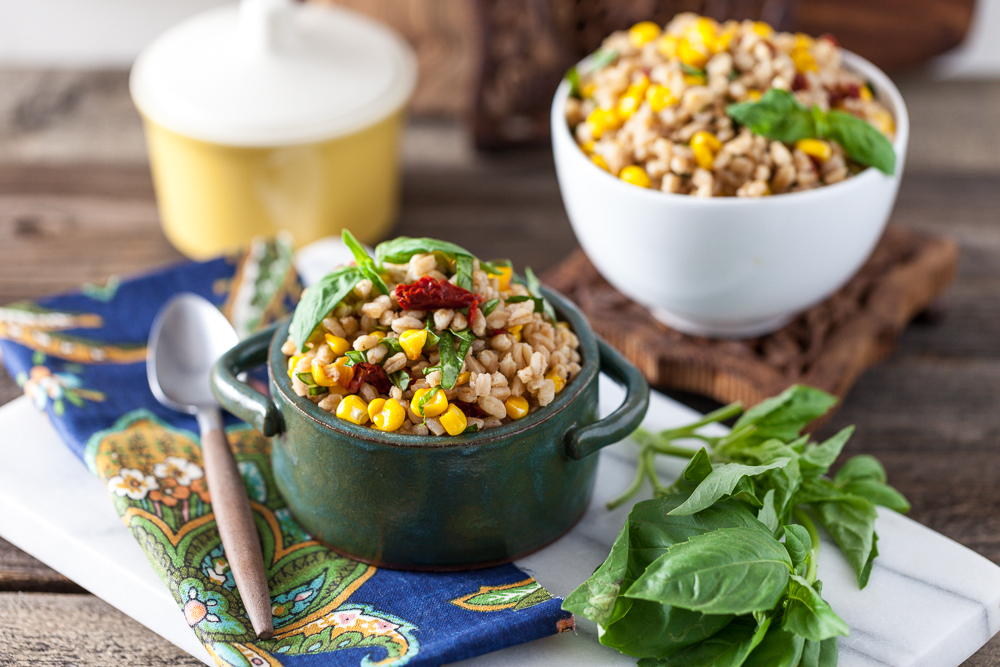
588, 148
602, 120
599, 161
692, 54
706, 30
558, 380
660, 97
337, 344
437, 404
412, 341
353, 409
704, 157
884, 123
725, 39
517, 407
694, 80
463, 378
378, 334
816, 148
754, 94
322, 374
587, 89
375, 407
803, 41
293, 361
804, 62
516, 332
707, 139
865, 93
344, 373
763, 29
635, 175
454, 420
642, 33
627, 106
667, 46
504, 273
390, 417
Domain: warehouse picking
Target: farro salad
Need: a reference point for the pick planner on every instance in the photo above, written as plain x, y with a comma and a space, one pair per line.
427, 339
710, 109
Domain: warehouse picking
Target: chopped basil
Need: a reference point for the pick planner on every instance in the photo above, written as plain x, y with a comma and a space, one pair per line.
317, 390
391, 343
401, 249
693, 71
319, 300
401, 379
463, 268
307, 379
598, 60
471, 428
355, 357
534, 287
489, 306
365, 263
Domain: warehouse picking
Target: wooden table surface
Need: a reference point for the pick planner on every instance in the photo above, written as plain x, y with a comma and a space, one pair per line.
76, 205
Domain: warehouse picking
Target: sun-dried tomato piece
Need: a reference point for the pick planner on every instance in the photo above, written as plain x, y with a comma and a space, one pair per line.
430, 294
800, 82
471, 410
373, 374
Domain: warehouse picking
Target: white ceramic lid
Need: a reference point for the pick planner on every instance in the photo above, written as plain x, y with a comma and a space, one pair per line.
273, 72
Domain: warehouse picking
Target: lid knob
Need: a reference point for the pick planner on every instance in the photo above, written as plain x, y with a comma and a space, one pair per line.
267, 26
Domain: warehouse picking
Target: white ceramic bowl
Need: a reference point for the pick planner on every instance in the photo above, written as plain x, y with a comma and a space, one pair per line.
728, 267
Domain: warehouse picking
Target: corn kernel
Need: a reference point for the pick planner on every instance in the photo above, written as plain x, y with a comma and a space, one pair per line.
704, 157
390, 417
642, 33
667, 46
803, 41
865, 93
627, 106
454, 420
754, 94
558, 380
412, 341
504, 273
692, 54
884, 123
345, 373
321, 374
599, 161
588, 148
602, 120
725, 40
763, 29
353, 409
705, 29
804, 62
437, 404
463, 378
375, 407
816, 148
517, 407
516, 331
337, 344
707, 139
378, 334
635, 175
694, 80
660, 97
293, 361
587, 89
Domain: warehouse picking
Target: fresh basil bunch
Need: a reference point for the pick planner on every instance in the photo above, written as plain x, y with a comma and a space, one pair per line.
777, 115
720, 568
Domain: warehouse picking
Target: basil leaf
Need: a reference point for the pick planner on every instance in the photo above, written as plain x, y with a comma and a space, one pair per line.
319, 300
365, 263
463, 269
595, 598
400, 249
392, 344
727, 648
798, 545
768, 515
697, 469
850, 520
307, 379
860, 467
720, 483
451, 365
519, 299
535, 289
779, 648
776, 115
471, 428
726, 571
861, 141
489, 306
355, 357
784, 415
432, 338
808, 615
877, 493
692, 70
817, 459
573, 77
401, 379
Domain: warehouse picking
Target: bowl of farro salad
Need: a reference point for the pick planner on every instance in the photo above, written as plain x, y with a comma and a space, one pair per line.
432, 410
725, 175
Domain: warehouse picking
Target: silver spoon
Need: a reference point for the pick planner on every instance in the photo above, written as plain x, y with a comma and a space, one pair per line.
188, 336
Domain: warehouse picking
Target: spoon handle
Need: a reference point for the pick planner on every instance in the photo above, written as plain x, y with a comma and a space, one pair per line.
235, 521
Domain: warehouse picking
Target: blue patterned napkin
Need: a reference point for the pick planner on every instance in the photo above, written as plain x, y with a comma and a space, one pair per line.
81, 358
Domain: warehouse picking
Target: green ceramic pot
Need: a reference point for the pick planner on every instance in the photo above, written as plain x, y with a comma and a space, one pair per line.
428, 502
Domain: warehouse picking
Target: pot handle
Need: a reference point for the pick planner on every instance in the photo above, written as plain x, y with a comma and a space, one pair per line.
583, 441
239, 397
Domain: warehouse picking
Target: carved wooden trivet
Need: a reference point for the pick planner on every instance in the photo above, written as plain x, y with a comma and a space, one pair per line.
828, 346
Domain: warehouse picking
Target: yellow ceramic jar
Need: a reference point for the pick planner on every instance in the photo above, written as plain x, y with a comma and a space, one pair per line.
274, 115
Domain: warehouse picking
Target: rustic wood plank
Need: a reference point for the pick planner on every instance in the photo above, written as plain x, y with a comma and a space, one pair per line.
40, 630
21, 572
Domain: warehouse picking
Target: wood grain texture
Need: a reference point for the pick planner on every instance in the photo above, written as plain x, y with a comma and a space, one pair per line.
45, 630
21, 572
827, 347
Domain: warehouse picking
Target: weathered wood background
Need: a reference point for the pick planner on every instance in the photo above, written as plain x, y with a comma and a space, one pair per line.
76, 205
